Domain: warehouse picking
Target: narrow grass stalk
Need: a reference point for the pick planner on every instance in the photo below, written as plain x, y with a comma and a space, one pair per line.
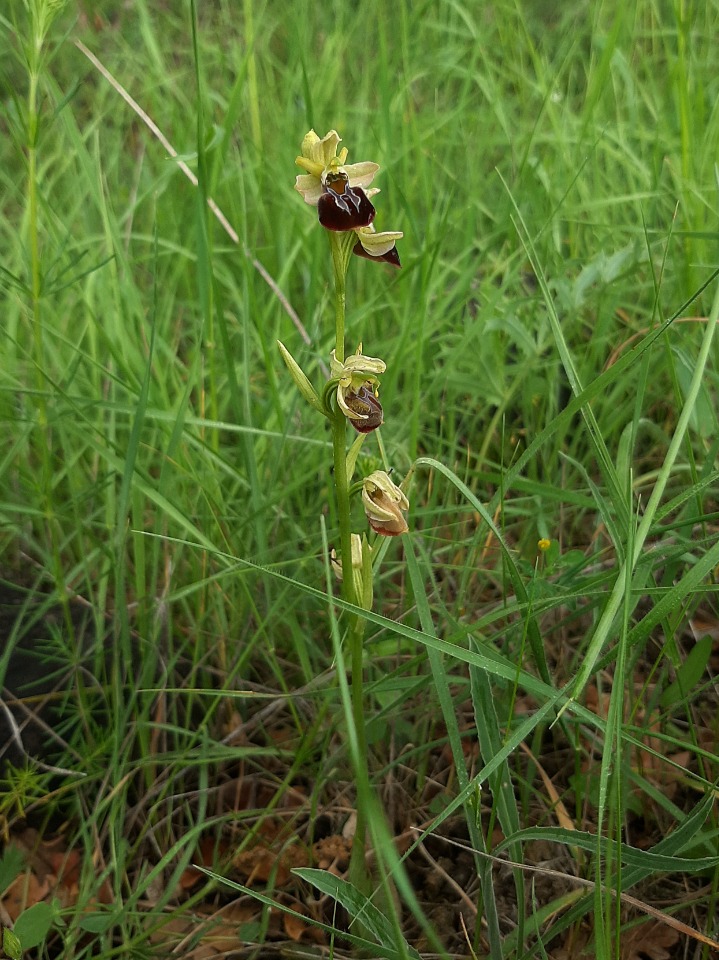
615, 600
40, 18
472, 806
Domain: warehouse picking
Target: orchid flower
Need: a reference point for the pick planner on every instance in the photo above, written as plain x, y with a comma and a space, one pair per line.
356, 379
384, 504
334, 187
377, 246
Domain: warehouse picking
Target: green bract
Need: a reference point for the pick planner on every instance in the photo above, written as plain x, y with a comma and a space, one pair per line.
298, 375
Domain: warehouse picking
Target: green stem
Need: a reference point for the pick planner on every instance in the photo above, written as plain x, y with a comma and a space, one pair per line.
339, 265
341, 248
342, 496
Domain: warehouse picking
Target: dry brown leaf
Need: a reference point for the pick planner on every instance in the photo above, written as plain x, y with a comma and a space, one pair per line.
213, 936
205, 854
596, 703
333, 854
54, 871
294, 927
648, 941
25, 891
262, 862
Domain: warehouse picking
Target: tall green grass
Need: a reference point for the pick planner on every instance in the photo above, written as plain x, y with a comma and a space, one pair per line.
550, 363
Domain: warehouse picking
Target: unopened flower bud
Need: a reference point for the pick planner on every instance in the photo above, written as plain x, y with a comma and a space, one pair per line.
385, 504
361, 569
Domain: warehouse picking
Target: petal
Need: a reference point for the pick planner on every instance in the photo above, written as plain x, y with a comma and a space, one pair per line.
380, 482
310, 187
324, 150
361, 174
389, 528
359, 364
384, 504
316, 169
308, 142
342, 403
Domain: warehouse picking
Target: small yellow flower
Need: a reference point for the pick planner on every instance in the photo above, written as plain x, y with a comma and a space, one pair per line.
384, 504
543, 545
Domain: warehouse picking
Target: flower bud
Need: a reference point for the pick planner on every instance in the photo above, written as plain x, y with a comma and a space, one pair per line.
385, 504
361, 569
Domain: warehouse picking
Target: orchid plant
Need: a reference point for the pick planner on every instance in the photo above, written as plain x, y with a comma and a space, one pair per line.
342, 195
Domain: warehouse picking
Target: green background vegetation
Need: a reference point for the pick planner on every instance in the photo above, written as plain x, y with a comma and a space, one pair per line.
553, 168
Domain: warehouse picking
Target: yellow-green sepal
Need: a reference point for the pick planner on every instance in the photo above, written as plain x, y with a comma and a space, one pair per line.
301, 381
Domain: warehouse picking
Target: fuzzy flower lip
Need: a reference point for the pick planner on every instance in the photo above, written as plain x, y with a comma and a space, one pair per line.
384, 504
356, 379
343, 207
322, 161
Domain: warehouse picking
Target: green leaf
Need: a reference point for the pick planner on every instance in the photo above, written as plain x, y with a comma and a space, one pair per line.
689, 673
97, 922
11, 863
356, 904
353, 454
34, 924
632, 856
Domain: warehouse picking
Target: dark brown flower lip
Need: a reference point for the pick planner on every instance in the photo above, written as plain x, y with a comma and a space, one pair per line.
364, 402
390, 257
342, 207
